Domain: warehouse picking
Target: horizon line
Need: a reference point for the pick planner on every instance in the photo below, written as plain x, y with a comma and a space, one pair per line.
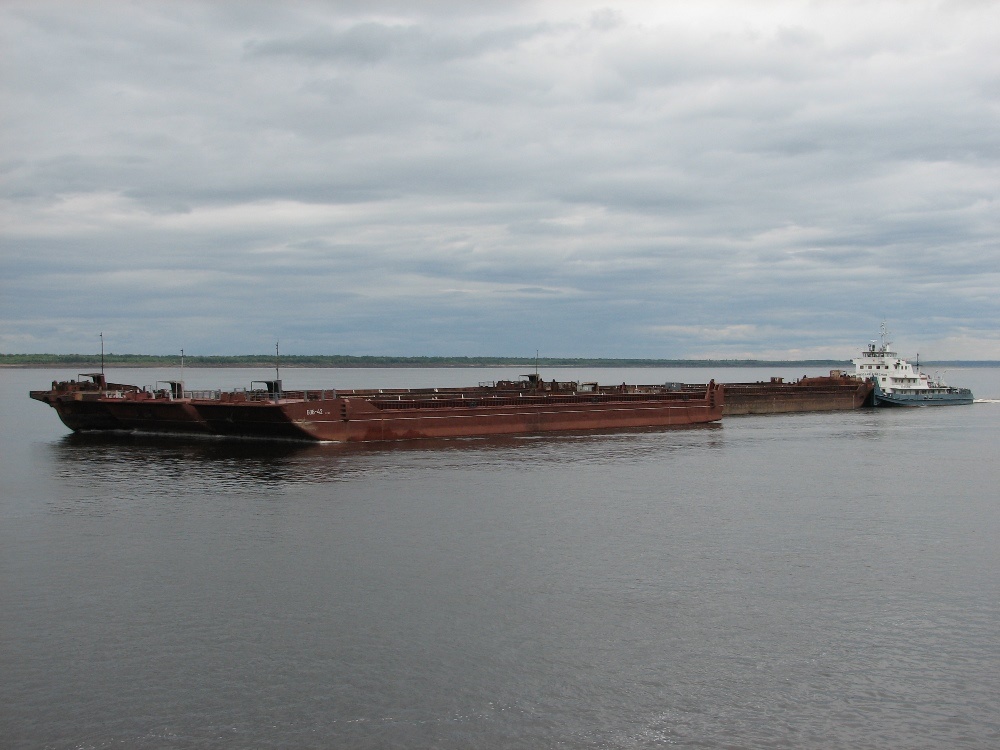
350, 360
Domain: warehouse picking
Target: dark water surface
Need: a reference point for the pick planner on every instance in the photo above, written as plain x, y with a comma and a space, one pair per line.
817, 581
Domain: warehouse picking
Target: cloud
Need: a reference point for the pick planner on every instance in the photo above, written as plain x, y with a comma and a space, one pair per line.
370, 43
649, 179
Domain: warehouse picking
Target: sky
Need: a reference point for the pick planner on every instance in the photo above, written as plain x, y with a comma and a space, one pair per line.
710, 179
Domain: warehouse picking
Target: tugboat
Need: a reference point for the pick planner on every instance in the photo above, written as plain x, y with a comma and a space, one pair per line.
900, 383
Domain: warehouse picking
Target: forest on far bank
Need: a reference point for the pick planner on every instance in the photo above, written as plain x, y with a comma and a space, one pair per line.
344, 360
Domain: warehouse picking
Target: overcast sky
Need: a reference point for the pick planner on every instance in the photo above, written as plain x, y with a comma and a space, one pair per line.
667, 179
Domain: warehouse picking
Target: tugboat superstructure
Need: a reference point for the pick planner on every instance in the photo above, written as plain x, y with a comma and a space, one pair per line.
900, 383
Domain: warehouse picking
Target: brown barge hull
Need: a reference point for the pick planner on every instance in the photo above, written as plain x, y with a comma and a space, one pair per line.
827, 393
81, 405
157, 415
369, 416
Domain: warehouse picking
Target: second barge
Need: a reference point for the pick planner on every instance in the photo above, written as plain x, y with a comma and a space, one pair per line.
836, 391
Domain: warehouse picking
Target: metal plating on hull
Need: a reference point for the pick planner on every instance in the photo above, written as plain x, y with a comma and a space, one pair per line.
529, 405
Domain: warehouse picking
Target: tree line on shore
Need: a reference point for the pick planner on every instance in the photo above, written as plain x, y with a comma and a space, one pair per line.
344, 360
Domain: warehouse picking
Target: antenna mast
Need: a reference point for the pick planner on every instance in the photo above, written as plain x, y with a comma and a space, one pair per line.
102, 352
277, 372
884, 335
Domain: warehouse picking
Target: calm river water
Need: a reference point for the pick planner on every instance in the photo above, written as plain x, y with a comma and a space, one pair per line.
801, 581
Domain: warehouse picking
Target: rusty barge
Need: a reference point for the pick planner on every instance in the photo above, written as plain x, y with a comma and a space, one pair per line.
267, 410
833, 392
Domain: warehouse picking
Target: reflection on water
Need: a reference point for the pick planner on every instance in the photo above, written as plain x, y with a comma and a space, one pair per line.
124, 460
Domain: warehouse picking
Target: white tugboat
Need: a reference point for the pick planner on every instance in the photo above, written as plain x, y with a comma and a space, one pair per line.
899, 383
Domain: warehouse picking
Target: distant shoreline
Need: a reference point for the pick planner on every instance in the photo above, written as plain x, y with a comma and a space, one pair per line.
57, 361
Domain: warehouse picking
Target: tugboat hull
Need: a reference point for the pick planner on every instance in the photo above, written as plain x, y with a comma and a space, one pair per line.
929, 397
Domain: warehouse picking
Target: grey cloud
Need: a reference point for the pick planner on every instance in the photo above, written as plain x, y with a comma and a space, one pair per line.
400, 179
606, 19
371, 42
364, 43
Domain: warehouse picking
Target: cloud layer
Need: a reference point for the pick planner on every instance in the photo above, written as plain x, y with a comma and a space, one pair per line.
717, 179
